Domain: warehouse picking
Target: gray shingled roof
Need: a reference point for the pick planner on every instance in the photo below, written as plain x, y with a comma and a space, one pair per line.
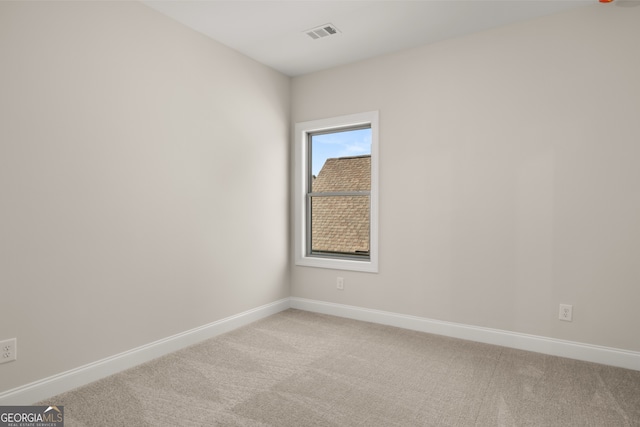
341, 223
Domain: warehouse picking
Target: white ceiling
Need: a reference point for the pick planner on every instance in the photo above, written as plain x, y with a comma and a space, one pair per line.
273, 32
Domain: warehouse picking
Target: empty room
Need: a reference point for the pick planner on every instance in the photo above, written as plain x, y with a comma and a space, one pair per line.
320, 213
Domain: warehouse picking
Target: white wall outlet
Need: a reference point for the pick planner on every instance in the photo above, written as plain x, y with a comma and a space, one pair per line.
566, 312
340, 283
8, 350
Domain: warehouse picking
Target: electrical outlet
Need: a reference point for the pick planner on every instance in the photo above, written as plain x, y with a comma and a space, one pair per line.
566, 312
8, 350
340, 283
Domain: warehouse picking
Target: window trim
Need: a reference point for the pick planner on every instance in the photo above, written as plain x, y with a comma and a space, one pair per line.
302, 130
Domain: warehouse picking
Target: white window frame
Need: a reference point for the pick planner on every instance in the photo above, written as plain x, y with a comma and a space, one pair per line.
302, 131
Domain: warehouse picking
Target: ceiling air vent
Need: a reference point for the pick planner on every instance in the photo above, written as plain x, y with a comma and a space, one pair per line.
322, 31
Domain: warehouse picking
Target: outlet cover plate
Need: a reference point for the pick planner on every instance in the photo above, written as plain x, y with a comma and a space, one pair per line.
8, 350
566, 312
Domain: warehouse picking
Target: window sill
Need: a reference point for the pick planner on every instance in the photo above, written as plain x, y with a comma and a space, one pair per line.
368, 266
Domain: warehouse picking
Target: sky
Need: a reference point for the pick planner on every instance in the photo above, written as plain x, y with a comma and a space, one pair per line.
338, 144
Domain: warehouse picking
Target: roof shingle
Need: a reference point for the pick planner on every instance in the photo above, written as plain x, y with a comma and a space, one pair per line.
341, 223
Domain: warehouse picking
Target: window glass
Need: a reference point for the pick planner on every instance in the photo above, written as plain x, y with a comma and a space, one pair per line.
339, 190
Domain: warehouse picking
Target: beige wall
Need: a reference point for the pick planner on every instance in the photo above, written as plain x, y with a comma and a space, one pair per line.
143, 182
509, 177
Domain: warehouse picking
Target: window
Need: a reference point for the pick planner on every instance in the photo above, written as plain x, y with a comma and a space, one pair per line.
336, 193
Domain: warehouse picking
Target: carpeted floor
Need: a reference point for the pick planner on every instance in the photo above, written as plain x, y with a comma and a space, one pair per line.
304, 369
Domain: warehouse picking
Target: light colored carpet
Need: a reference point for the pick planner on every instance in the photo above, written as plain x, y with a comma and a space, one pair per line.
304, 369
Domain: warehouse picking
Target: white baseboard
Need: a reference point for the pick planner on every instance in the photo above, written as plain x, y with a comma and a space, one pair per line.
43, 389
573, 350
51, 386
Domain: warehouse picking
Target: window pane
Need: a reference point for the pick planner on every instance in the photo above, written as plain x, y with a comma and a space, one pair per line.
340, 162
340, 224
336, 145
